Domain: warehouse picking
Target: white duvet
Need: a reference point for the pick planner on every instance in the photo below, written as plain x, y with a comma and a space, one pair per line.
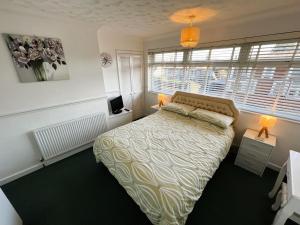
164, 162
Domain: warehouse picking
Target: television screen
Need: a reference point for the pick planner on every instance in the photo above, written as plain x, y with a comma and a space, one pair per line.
116, 104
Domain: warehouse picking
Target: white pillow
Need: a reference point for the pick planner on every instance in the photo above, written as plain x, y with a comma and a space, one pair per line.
178, 108
215, 118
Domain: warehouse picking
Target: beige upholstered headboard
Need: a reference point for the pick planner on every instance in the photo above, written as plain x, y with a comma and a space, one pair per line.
220, 105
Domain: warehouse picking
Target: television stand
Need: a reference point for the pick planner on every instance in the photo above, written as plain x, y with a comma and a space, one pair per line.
116, 120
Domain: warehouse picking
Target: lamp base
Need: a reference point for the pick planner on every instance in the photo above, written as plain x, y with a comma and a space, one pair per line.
161, 103
264, 130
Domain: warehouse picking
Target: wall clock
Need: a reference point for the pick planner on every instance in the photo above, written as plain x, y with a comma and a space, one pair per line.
105, 59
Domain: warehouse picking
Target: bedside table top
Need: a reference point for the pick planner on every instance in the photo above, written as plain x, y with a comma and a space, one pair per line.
252, 134
155, 107
124, 112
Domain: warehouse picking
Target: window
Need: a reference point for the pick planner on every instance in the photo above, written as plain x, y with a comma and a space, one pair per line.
260, 77
168, 57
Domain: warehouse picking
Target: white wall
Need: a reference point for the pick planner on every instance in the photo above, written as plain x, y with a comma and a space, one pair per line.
231, 30
287, 132
9, 215
84, 91
110, 41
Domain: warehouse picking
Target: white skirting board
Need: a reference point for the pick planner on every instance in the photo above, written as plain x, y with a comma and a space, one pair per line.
38, 166
21, 173
274, 166
63, 156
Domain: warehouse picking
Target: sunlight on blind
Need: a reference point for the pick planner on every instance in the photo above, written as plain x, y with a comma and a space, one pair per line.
271, 52
168, 57
200, 55
221, 54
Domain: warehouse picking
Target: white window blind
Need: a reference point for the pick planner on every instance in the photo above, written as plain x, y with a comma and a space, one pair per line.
261, 77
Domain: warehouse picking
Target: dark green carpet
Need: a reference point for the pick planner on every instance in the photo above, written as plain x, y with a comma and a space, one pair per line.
76, 191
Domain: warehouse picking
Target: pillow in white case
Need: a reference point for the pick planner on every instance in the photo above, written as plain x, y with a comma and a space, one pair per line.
178, 108
215, 118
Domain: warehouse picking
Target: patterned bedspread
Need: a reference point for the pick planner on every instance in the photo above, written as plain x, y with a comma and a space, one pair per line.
164, 162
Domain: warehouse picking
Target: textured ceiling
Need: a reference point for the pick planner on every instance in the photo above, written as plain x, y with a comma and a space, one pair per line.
145, 17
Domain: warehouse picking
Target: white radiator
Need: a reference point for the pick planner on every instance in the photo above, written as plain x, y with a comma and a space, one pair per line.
61, 138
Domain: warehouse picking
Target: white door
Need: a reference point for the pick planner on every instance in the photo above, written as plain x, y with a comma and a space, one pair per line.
125, 80
130, 67
137, 80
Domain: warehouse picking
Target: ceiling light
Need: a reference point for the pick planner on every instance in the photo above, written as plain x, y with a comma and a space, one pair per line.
190, 36
200, 15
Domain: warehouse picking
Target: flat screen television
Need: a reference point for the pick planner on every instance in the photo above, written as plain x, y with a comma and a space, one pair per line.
116, 104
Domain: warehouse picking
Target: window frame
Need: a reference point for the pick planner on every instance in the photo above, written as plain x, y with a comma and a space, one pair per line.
244, 63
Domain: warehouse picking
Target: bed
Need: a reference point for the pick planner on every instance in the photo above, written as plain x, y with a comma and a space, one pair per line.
165, 160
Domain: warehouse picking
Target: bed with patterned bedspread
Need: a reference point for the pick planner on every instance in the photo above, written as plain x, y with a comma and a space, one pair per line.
164, 162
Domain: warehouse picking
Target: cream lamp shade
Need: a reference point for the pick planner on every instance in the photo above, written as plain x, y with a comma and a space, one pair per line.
266, 122
190, 37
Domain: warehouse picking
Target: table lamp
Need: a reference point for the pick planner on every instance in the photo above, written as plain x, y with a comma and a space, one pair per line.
161, 99
266, 122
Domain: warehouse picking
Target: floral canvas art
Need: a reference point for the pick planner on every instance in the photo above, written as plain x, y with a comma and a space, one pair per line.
37, 58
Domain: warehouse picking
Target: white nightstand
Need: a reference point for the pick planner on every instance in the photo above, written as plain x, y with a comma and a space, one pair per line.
254, 153
117, 120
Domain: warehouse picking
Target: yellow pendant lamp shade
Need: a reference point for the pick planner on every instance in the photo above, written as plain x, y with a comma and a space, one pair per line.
190, 37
